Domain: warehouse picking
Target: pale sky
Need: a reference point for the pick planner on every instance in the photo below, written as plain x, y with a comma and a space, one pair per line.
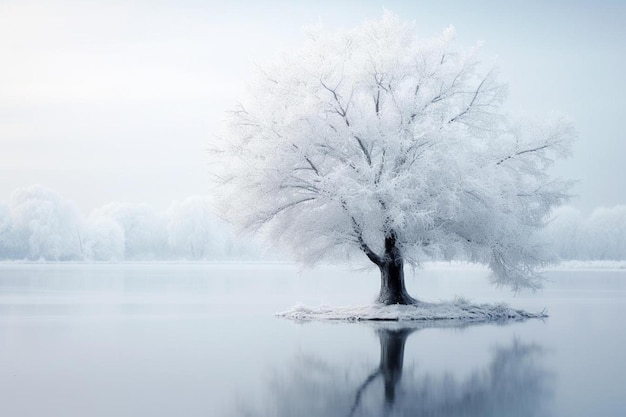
117, 101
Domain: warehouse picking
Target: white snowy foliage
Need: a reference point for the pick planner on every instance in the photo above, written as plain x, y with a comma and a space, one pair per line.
372, 133
565, 232
44, 225
195, 233
600, 236
105, 239
39, 224
6, 233
606, 233
145, 233
191, 227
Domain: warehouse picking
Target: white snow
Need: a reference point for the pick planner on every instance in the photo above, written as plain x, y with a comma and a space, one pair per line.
455, 310
588, 265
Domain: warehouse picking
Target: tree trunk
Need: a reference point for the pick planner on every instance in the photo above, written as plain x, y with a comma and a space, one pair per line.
392, 289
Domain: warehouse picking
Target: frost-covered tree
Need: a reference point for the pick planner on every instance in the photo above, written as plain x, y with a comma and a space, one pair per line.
191, 228
105, 239
145, 233
195, 232
605, 233
45, 225
373, 141
7, 243
565, 233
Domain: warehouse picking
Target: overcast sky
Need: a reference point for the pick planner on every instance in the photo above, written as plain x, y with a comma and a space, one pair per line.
117, 101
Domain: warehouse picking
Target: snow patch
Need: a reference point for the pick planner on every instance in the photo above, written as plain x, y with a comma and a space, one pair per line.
456, 310
588, 265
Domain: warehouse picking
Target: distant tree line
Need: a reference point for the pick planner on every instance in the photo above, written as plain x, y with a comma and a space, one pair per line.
39, 224
599, 236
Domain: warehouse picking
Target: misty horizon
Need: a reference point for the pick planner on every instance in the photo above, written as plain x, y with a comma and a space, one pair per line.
37, 223
119, 102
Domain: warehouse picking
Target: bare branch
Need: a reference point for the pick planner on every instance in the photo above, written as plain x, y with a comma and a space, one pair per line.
342, 111
366, 153
377, 102
334, 153
313, 167
371, 255
469, 106
380, 170
308, 160
310, 188
269, 215
537, 149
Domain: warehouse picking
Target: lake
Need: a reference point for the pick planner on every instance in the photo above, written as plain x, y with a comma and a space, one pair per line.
202, 340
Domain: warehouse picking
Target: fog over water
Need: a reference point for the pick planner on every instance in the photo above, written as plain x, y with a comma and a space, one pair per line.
201, 340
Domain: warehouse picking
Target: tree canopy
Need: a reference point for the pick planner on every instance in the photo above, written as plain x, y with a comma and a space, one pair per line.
374, 142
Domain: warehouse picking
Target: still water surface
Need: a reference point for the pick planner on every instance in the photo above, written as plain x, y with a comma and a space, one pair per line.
201, 340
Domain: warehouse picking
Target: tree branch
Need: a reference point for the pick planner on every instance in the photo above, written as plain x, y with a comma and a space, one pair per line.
380, 170
308, 160
469, 106
305, 187
366, 153
342, 111
371, 255
537, 149
265, 217
334, 153
313, 167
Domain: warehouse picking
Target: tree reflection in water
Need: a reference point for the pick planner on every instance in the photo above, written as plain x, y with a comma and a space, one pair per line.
514, 383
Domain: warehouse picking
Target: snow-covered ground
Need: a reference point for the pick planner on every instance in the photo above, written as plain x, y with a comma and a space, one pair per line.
458, 310
589, 265
561, 266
